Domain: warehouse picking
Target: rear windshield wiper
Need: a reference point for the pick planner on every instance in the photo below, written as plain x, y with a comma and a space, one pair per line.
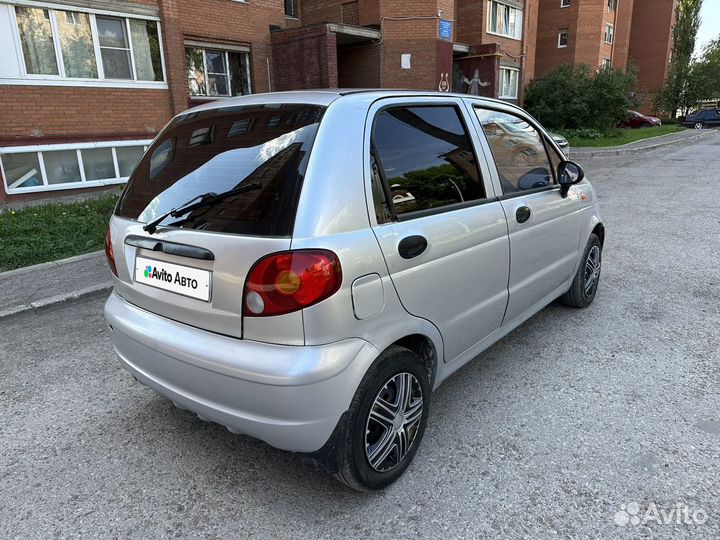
206, 199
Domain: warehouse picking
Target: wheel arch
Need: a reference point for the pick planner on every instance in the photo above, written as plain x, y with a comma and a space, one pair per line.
425, 349
599, 230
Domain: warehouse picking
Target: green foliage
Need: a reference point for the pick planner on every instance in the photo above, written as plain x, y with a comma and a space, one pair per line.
432, 187
681, 87
615, 137
577, 97
706, 74
53, 231
583, 133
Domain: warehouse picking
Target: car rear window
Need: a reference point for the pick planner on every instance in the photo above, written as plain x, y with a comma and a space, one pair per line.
217, 150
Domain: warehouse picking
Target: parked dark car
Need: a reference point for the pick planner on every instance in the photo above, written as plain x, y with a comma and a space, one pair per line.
639, 120
702, 119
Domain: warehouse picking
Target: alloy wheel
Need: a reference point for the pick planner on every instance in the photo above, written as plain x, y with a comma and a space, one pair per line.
393, 421
699, 125
592, 271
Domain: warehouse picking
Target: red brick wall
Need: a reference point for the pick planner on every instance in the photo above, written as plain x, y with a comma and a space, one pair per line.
650, 46
590, 30
321, 11
623, 22
551, 20
304, 58
349, 13
45, 114
529, 43
359, 67
218, 21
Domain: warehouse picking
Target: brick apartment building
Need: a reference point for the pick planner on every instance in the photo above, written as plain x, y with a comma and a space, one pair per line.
616, 33
86, 84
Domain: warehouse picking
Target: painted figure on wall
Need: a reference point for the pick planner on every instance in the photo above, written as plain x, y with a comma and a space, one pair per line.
475, 83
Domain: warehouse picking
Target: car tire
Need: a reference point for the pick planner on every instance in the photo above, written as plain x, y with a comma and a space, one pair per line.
645, 125
699, 125
367, 438
587, 278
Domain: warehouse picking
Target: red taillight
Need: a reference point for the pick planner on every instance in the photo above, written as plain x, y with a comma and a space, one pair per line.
109, 252
292, 280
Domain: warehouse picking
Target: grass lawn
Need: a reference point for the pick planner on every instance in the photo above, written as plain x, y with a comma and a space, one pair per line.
53, 231
617, 137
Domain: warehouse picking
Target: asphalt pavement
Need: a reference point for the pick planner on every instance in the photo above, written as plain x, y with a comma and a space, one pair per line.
596, 423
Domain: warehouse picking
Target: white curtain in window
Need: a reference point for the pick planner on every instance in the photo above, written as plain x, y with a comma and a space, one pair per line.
76, 44
146, 50
37, 40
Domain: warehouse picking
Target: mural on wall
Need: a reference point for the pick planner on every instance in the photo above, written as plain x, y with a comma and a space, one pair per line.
475, 75
475, 83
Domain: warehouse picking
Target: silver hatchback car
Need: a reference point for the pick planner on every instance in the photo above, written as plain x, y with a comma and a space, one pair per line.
306, 267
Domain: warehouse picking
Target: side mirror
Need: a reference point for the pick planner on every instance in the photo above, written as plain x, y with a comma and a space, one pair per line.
569, 173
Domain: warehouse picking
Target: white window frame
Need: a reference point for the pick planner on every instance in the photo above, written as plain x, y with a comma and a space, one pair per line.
611, 5
224, 49
517, 83
519, 20
567, 39
564, 3
78, 147
60, 79
606, 63
609, 32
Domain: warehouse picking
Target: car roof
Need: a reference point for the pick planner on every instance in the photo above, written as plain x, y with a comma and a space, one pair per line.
325, 97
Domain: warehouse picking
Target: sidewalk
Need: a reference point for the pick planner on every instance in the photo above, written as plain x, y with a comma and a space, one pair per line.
644, 145
43, 286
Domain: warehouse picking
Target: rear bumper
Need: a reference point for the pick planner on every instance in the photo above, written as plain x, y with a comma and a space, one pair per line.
290, 397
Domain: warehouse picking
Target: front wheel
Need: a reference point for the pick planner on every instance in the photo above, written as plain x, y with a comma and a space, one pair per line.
699, 125
387, 420
582, 291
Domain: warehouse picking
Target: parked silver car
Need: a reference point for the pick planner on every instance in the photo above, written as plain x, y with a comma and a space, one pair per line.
306, 267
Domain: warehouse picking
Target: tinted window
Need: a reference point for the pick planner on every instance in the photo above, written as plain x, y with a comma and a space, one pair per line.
219, 150
519, 152
426, 158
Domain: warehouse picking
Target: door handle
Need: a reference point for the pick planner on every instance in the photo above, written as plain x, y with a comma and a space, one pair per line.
412, 246
522, 214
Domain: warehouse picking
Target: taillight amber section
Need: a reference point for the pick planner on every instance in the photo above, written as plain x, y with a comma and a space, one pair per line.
289, 281
109, 253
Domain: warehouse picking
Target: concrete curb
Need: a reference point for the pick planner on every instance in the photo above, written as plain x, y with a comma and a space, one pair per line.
61, 300
622, 151
42, 266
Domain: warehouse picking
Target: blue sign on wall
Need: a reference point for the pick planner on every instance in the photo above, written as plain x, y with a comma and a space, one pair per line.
446, 28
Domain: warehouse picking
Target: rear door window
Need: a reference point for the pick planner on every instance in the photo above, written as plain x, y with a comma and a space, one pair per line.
426, 159
218, 150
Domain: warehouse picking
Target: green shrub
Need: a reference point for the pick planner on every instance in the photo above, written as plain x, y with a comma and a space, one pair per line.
574, 97
584, 133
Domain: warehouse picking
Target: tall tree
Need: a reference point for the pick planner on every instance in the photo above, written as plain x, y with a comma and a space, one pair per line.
676, 92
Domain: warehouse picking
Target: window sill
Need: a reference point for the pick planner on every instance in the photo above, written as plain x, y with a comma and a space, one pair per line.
69, 185
292, 17
93, 83
562, 46
504, 36
508, 97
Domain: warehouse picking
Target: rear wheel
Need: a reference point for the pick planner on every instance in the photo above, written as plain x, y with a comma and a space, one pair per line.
699, 125
387, 420
645, 125
582, 291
